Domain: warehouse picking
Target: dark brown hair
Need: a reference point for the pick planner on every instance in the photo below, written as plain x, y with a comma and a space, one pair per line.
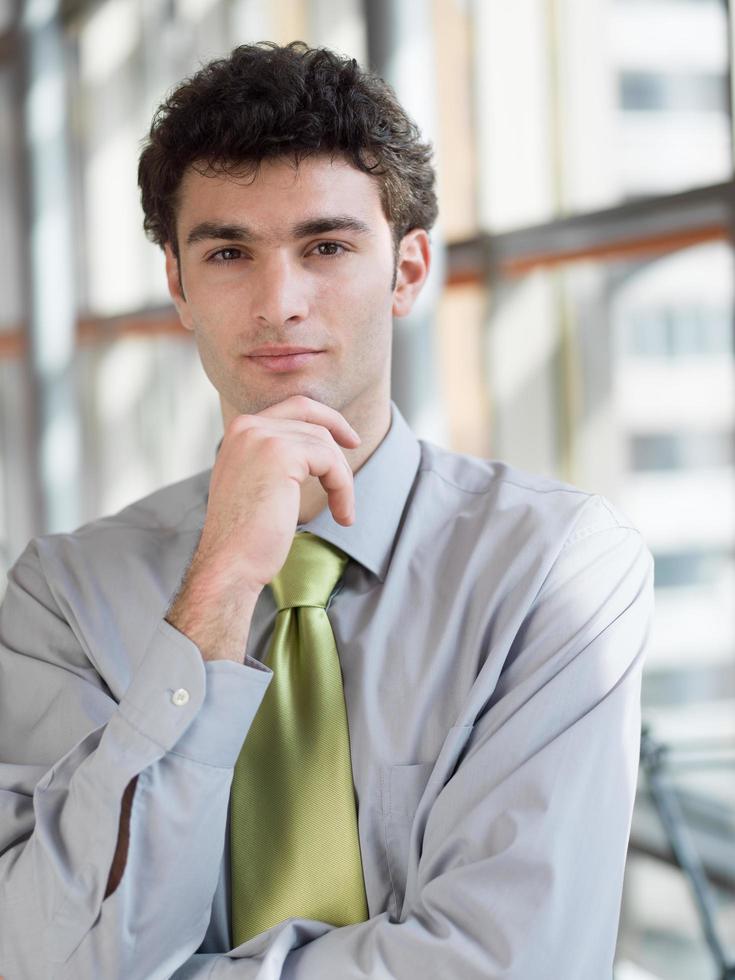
266, 101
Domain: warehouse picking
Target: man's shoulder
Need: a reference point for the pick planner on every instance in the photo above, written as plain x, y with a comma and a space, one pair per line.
476, 474
111, 578
147, 536
177, 506
497, 491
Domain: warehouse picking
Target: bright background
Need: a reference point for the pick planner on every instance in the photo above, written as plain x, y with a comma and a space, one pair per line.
578, 321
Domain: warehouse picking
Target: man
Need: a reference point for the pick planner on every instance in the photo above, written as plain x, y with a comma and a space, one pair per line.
348, 705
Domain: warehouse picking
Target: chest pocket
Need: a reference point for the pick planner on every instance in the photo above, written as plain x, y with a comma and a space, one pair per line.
401, 790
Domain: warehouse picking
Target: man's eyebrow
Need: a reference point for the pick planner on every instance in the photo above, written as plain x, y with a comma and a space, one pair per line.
213, 230
207, 230
321, 226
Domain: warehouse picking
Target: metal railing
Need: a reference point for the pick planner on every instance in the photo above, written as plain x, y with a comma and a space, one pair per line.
656, 771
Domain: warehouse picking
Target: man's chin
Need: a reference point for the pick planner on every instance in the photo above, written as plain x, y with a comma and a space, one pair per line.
252, 405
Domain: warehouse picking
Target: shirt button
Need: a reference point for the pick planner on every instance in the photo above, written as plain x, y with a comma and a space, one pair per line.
180, 697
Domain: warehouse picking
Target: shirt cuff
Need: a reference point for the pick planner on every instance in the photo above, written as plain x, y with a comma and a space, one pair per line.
233, 695
205, 710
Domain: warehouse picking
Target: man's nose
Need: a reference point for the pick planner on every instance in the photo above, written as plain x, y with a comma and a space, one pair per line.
280, 291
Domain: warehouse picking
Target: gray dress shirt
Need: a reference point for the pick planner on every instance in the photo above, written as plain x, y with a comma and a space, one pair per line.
491, 627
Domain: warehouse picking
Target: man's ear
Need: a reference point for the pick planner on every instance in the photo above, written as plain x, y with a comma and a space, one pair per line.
175, 287
414, 261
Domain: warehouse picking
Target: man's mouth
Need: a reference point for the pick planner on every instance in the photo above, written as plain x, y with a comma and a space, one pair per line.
284, 359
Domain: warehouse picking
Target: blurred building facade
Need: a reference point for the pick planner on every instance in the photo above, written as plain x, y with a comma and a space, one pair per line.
578, 324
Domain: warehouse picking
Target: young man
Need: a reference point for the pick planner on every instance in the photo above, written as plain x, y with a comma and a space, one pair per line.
348, 705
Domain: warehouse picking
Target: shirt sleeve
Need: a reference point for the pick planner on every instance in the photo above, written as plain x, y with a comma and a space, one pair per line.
520, 858
67, 753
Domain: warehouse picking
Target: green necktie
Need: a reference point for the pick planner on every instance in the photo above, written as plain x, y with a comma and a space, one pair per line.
293, 821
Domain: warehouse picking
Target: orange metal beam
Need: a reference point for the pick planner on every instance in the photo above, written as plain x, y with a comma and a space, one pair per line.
670, 242
94, 330
12, 343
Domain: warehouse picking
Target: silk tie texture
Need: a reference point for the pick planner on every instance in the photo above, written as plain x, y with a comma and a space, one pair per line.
294, 846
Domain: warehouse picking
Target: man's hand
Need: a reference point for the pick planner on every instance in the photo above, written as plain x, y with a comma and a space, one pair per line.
253, 509
255, 490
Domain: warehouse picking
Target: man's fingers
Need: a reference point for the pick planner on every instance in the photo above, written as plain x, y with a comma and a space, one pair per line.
310, 433
305, 409
330, 467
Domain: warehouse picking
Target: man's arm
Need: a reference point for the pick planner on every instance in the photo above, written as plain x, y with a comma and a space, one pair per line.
518, 859
89, 887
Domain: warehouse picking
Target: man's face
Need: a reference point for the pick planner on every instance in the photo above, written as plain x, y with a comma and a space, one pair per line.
294, 257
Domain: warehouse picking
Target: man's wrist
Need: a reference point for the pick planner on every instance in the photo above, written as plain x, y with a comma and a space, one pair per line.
214, 611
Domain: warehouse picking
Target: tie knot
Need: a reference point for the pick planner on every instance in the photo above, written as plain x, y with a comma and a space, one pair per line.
310, 573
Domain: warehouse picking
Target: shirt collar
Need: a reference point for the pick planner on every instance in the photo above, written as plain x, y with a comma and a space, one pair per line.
382, 485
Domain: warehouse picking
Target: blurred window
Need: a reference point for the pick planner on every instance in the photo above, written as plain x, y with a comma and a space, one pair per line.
682, 92
670, 332
585, 105
689, 568
682, 450
7, 12
10, 237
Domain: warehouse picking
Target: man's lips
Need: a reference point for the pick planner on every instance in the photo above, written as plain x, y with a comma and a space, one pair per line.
279, 350
289, 359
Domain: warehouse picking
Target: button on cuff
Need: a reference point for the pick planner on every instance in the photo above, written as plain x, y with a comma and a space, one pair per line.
154, 703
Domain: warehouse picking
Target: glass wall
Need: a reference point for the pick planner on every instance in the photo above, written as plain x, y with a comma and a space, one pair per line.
15, 477
585, 105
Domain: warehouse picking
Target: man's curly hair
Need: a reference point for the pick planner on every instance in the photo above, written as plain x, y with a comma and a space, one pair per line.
266, 101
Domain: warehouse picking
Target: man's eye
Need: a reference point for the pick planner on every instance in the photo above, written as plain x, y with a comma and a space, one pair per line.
330, 248
225, 255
